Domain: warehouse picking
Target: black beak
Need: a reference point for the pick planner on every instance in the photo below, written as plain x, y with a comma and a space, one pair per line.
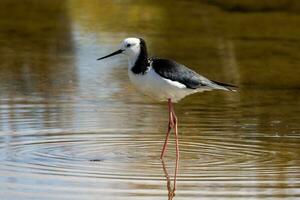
112, 54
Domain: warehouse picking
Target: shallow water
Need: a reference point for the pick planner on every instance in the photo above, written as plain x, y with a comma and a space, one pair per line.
74, 128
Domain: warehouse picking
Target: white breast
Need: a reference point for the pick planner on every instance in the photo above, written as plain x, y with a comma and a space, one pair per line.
157, 87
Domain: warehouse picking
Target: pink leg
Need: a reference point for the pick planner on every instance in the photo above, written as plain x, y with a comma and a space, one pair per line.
177, 148
170, 125
171, 192
176, 133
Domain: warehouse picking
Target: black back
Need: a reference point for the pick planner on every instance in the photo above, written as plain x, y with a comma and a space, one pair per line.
174, 71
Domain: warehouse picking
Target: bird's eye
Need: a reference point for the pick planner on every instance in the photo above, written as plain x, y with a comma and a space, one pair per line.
127, 45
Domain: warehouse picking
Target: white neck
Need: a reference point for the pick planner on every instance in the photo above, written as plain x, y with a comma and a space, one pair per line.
132, 60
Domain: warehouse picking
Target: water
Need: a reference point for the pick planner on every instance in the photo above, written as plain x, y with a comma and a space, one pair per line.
74, 128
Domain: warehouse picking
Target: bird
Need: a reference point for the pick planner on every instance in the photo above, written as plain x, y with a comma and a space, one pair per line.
164, 80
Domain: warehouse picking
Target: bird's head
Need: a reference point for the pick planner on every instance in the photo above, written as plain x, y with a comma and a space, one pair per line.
130, 47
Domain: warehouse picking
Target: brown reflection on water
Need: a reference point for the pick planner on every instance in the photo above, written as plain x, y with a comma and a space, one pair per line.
36, 48
60, 108
36, 64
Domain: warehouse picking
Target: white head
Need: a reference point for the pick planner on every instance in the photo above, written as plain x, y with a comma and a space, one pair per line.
130, 47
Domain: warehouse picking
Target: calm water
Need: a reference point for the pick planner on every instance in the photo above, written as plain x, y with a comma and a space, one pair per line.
60, 108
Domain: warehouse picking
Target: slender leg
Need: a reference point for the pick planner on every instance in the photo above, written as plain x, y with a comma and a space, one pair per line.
177, 147
170, 125
171, 192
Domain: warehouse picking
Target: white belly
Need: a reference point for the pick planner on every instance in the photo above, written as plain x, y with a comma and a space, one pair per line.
159, 88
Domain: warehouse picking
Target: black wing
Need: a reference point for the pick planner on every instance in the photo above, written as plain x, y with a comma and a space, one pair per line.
174, 71
224, 84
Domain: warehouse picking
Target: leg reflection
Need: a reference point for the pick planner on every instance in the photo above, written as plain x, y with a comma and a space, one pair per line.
171, 191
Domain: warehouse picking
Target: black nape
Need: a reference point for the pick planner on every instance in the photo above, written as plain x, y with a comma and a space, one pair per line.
141, 65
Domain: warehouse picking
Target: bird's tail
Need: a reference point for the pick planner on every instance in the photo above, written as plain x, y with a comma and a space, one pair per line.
225, 86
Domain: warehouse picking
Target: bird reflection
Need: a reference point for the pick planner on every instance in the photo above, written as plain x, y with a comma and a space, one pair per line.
171, 191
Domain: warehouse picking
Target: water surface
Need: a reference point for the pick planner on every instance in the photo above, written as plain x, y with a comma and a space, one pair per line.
72, 127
